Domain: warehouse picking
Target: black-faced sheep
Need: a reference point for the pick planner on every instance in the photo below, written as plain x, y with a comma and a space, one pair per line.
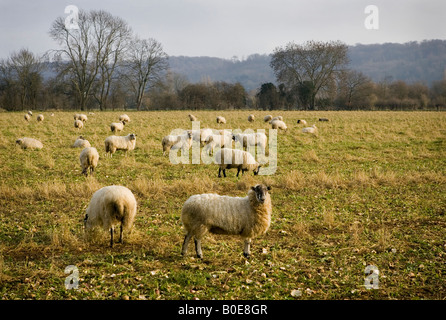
89, 158
40, 118
234, 158
251, 118
247, 217
78, 124
301, 121
192, 117
117, 126
221, 119
110, 206
126, 143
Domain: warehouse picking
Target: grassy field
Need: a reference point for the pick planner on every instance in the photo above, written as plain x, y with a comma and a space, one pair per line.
369, 189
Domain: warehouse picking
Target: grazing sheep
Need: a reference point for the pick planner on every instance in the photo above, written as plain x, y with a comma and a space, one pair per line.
110, 206
251, 139
323, 119
29, 143
117, 126
124, 118
221, 140
234, 158
276, 118
80, 116
301, 121
88, 158
113, 143
40, 118
267, 118
279, 124
78, 124
247, 217
81, 142
221, 119
201, 135
312, 129
30, 112
192, 117
251, 118
27, 117
181, 141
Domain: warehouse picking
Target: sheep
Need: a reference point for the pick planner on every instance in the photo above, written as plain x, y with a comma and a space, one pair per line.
192, 117
279, 124
30, 112
234, 158
312, 129
27, 117
251, 139
251, 118
117, 126
301, 121
276, 118
221, 119
78, 124
40, 118
124, 118
221, 140
182, 141
81, 142
267, 118
29, 143
323, 119
113, 143
248, 217
110, 206
89, 158
201, 135
80, 116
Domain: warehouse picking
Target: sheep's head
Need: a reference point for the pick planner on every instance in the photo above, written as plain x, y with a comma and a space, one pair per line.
132, 136
261, 192
257, 169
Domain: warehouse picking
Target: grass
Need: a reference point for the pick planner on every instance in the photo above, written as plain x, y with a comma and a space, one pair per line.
369, 189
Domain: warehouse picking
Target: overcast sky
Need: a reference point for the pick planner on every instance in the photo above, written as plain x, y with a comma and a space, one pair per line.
227, 28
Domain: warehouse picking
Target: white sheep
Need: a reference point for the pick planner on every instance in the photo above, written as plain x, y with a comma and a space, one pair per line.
247, 140
30, 112
81, 142
221, 119
279, 124
78, 124
251, 118
192, 117
181, 141
110, 206
88, 158
312, 129
27, 117
83, 117
117, 126
29, 143
267, 118
40, 118
247, 217
234, 158
201, 135
124, 117
301, 121
221, 140
113, 143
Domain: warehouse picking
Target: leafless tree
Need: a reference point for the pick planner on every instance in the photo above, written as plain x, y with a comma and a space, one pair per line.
144, 66
310, 67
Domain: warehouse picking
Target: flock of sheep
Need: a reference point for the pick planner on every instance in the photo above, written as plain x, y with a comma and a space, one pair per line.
248, 216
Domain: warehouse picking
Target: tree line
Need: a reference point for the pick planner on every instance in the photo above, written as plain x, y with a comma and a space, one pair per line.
103, 65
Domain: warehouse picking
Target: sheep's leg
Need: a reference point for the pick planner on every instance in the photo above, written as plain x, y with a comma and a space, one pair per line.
198, 248
224, 173
120, 233
238, 171
111, 237
219, 172
246, 250
185, 243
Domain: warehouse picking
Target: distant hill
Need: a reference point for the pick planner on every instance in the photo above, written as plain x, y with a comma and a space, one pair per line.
413, 61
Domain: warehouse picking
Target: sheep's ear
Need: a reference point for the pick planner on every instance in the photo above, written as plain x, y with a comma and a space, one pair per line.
253, 188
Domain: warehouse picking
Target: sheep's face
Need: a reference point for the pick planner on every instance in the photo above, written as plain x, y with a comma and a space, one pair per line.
261, 192
256, 170
132, 136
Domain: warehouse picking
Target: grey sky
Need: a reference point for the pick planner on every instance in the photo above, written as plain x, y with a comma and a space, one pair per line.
226, 28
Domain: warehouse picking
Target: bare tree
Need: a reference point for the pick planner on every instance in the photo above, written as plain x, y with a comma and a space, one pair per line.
355, 87
312, 65
21, 74
145, 64
93, 51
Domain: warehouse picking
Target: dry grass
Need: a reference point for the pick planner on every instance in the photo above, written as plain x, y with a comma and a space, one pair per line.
368, 189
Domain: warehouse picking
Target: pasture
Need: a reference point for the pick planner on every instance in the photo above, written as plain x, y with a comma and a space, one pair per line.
369, 189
